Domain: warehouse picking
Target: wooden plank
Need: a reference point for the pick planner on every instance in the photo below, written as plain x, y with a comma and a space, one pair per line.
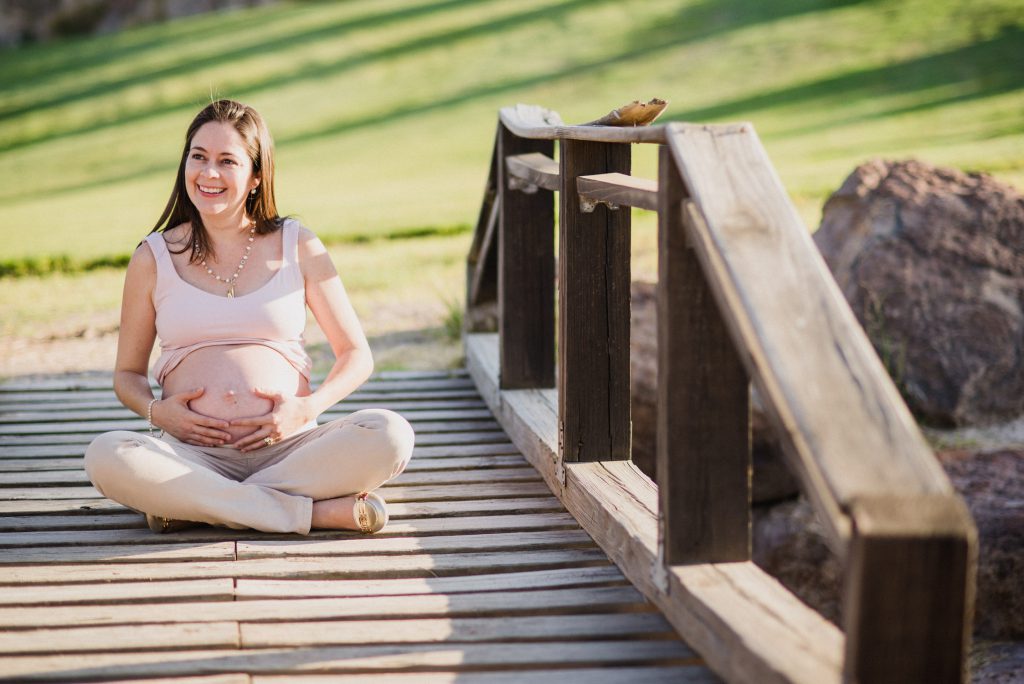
290, 611
221, 589
104, 382
395, 493
909, 593
455, 630
138, 424
32, 517
13, 444
407, 478
89, 397
535, 169
359, 659
788, 315
703, 443
149, 553
526, 273
618, 190
531, 121
513, 581
299, 568
483, 276
688, 674
507, 541
593, 312
443, 450
139, 534
179, 637
743, 622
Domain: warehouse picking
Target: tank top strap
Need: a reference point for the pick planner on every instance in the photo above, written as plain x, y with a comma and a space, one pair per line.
164, 266
290, 247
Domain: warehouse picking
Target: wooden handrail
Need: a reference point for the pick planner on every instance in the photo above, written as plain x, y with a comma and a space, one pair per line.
743, 297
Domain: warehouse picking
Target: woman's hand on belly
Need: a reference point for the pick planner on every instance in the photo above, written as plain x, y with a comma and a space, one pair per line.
288, 414
173, 415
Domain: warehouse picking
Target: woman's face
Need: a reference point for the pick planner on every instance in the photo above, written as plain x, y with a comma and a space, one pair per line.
218, 171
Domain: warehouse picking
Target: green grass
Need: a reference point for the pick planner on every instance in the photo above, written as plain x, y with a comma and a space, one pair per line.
384, 111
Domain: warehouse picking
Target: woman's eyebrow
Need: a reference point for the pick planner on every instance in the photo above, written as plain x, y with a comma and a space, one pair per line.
222, 154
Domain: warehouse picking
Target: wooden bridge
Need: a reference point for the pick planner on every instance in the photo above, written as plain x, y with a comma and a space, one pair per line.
524, 543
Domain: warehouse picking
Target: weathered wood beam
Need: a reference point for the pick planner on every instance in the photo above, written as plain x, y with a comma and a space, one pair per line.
593, 311
526, 272
839, 417
531, 121
909, 591
482, 283
527, 172
703, 445
482, 260
617, 190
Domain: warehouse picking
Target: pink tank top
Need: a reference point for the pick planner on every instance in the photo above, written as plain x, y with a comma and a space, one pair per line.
188, 318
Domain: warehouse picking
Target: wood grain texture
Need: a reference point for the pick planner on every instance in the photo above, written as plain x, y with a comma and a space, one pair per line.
703, 423
805, 351
909, 591
482, 262
593, 312
533, 168
531, 121
742, 621
619, 190
564, 675
526, 273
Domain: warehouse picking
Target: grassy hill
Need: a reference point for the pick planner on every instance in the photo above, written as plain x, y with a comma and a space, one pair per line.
384, 111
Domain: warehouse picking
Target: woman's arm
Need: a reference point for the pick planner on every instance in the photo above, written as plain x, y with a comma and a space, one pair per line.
333, 311
135, 340
353, 363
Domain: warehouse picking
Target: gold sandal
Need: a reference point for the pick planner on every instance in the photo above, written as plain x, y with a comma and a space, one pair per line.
165, 525
370, 512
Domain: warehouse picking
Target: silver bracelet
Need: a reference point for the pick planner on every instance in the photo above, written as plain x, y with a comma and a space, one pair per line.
149, 414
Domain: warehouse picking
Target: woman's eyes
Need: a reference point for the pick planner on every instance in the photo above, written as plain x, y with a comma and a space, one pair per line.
199, 157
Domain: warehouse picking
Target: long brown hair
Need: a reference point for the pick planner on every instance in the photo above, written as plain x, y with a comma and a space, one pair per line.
260, 206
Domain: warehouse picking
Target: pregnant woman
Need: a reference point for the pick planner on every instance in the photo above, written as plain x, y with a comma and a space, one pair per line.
224, 282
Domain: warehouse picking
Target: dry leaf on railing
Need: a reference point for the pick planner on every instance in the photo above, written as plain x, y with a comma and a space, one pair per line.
636, 113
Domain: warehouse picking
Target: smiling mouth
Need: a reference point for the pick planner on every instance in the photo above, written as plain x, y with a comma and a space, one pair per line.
210, 191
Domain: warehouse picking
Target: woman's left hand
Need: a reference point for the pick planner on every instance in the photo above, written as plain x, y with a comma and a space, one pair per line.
288, 415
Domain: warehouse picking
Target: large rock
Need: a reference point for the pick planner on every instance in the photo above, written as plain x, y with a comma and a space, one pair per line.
932, 262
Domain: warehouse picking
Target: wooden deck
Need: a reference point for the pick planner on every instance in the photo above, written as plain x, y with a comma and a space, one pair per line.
481, 576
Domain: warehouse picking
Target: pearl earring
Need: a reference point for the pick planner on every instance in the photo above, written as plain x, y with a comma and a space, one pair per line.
253, 191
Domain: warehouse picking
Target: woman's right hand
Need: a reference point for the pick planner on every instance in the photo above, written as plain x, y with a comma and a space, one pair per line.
173, 415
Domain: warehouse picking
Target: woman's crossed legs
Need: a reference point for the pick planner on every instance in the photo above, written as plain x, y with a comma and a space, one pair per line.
272, 489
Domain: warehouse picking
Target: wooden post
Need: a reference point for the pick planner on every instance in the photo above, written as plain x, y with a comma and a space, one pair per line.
593, 311
482, 260
703, 444
909, 594
526, 273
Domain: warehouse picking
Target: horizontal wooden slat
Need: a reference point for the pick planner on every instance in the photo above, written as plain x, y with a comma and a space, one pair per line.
221, 589
455, 410
402, 657
530, 121
618, 190
534, 169
513, 581
327, 567
804, 349
138, 424
143, 553
84, 408
581, 599
457, 630
397, 528
12, 444
747, 626
178, 636
687, 674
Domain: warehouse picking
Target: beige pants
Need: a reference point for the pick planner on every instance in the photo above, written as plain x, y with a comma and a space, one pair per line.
271, 489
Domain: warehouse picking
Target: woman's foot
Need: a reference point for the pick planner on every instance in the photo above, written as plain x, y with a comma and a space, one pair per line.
165, 525
365, 512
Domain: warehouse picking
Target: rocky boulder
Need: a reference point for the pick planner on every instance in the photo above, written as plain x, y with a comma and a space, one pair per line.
932, 262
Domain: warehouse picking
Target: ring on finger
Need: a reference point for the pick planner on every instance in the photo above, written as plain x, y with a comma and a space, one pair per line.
268, 440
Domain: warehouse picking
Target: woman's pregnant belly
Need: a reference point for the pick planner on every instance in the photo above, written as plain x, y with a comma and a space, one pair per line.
229, 373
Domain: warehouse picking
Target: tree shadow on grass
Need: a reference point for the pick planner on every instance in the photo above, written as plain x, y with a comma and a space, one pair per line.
983, 69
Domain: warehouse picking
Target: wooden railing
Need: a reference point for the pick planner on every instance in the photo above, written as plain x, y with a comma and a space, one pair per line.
743, 297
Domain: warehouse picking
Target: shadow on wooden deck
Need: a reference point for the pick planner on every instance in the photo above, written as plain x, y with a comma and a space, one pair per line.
481, 576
